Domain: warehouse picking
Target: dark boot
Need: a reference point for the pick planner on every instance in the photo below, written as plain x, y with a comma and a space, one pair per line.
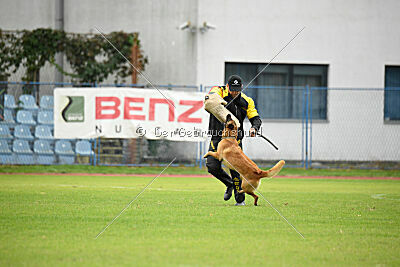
228, 193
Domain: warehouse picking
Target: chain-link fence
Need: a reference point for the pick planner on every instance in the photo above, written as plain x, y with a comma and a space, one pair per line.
313, 127
361, 130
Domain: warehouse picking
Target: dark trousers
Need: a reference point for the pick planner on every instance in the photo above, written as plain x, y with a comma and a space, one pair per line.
214, 167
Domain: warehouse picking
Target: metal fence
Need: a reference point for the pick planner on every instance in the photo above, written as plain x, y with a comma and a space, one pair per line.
323, 127
313, 127
362, 129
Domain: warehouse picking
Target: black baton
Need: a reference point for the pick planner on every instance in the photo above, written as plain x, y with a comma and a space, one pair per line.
269, 141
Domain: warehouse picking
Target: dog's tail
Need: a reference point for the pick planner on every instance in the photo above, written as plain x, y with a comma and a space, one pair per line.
274, 170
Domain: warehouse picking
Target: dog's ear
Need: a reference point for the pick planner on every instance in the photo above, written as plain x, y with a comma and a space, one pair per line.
228, 117
230, 126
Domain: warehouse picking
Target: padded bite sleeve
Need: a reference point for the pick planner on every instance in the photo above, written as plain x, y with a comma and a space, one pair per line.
214, 104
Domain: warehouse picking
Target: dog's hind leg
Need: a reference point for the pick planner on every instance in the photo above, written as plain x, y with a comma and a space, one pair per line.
255, 198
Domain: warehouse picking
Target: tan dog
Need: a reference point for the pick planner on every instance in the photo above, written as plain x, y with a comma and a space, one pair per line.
233, 157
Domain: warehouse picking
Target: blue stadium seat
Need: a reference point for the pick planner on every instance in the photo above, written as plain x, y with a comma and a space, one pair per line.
5, 132
28, 102
42, 147
6, 156
46, 117
23, 132
64, 151
63, 147
4, 148
25, 117
83, 148
8, 117
84, 152
23, 153
21, 146
9, 102
43, 132
47, 102
45, 154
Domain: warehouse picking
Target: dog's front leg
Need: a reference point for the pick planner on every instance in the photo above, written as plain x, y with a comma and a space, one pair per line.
213, 154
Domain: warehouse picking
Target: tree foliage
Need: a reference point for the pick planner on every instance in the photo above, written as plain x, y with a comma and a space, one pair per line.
9, 63
91, 58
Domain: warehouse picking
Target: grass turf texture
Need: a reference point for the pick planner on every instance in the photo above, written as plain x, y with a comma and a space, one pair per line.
52, 220
186, 170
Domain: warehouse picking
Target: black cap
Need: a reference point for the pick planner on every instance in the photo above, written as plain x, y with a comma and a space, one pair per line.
235, 83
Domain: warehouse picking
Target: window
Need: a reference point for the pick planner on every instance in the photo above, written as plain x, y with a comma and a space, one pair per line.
284, 97
392, 93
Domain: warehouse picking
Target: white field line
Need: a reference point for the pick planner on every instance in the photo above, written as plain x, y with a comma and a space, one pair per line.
383, 196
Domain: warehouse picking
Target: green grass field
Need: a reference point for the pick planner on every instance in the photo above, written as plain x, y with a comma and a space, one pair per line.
185, 170
52, 221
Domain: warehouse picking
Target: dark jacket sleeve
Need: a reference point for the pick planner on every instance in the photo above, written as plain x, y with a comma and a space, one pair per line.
255, 122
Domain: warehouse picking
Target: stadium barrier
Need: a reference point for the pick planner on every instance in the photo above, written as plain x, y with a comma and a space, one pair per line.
313, 127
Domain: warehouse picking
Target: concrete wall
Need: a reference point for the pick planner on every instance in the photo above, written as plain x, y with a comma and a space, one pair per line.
29, 15
171, 52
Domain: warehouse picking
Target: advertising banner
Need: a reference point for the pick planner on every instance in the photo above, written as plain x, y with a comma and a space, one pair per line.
129, 113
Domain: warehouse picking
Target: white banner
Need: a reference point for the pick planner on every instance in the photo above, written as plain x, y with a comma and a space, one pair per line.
129, 113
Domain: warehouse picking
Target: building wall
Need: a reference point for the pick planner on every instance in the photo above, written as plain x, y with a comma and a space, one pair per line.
29, 15
355, 38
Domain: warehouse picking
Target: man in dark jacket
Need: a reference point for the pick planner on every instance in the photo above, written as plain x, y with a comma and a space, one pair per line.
241, 106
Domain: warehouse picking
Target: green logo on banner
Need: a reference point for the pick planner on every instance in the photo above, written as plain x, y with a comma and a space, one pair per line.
75, 110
